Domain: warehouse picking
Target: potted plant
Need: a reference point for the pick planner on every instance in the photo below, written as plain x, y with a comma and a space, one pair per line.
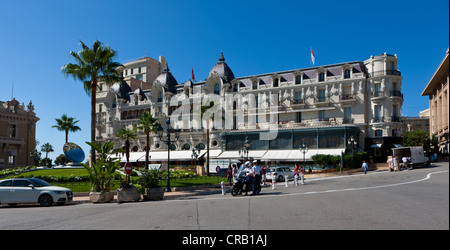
151, 180
127, 192
102, 172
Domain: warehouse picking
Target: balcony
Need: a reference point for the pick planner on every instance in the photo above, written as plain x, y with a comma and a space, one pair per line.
396, 93
395, 119
386, 72
348, 120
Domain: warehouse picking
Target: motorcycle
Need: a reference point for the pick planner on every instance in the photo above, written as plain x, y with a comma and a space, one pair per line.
241, 182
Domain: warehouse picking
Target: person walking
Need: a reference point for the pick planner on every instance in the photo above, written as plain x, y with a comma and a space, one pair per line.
365, 166
263, 175
229, 174
256, 178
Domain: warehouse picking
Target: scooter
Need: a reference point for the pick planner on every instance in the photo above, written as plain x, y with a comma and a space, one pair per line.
240, 183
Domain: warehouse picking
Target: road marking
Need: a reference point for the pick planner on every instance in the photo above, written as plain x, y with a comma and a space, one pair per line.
311, 192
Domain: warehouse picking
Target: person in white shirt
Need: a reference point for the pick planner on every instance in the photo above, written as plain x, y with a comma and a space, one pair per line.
256, 178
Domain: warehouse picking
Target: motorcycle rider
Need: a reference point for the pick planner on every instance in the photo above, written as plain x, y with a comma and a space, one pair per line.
248, 177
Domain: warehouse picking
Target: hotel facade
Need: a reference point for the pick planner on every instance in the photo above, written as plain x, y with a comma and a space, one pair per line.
339, 108
17, 134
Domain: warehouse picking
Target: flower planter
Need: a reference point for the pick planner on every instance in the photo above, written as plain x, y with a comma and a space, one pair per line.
152, 194
101, 197
128, 195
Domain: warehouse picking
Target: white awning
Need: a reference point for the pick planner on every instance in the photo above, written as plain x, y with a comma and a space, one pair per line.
398, 146
255, 154
297, 155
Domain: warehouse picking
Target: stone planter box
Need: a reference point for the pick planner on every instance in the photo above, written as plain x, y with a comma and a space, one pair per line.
101, 197
152, 194
128, 195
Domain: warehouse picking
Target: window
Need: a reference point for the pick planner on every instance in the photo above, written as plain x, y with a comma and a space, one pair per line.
298, 98
378, 90
275, 82
298, 79
131, 71
322, 116
321, 96
12, 131
321, 77
12, 160
217, 89
347, 115
378, 113
298, 117
346, 74
378, 133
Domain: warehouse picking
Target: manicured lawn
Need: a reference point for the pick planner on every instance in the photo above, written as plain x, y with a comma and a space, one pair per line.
84, 186
55, 172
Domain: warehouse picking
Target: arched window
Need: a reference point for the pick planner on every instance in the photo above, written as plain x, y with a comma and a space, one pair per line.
217, 89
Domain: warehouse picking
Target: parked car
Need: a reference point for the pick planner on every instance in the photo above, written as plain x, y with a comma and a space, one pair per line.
31, 190
280, 173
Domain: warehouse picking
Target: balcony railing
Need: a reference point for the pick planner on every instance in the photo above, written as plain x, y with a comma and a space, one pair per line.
396, 93
346, 97
347, 120
298, 101
387, 72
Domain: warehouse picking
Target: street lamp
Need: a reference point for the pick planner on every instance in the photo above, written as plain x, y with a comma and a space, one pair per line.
304, 148
169, 142
244, 150
354, 146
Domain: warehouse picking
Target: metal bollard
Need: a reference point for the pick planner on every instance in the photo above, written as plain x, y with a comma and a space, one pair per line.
286, 180
303, 179
274, 180
223, 188
295, 180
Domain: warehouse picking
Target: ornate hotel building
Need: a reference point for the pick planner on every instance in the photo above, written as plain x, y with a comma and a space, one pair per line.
437, 91
334, 108
17, 134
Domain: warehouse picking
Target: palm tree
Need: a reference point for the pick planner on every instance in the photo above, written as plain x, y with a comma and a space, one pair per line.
126, 134
148, 124
47, 148
203, 111
93, 65
66, 124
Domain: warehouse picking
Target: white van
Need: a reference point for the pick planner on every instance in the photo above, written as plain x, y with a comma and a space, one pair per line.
415, 156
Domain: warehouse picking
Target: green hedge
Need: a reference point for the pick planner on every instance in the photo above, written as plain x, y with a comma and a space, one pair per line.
334, 160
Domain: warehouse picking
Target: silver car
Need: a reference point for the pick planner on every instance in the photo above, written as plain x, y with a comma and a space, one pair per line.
24, 190
280, 173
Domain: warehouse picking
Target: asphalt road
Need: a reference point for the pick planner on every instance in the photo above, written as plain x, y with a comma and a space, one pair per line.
416, 199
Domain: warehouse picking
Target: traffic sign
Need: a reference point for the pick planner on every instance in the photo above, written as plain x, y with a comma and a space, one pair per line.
128, 168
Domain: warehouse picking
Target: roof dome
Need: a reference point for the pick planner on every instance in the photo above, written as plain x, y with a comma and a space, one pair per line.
167, 81
121, 89
222, 69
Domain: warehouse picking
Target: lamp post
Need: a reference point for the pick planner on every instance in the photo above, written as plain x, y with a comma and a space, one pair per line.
304, 148
195, 154
354, 145
169, 142
244, 150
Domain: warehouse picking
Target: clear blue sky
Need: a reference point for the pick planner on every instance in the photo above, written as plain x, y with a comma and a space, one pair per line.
256, 37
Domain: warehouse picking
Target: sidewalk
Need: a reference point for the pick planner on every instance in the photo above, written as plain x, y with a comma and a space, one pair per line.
215, 189
84, 197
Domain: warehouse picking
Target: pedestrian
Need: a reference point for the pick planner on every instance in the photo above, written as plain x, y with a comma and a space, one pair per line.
263, 175
295, 170
365, 166
229, 174
233, 171
256, 178
390, 163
